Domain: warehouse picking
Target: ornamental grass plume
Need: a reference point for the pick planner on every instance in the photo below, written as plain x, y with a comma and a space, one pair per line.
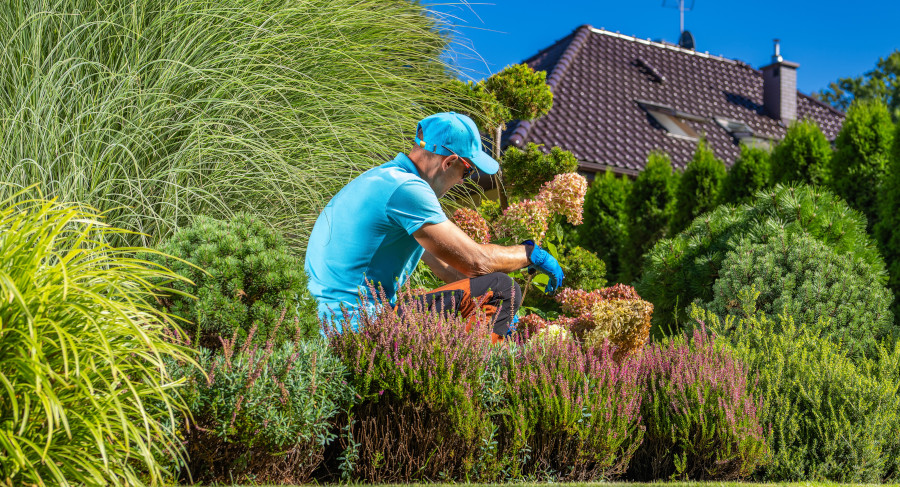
565, 195
702, 421
572, 414
473, 224
419, 375
524, 220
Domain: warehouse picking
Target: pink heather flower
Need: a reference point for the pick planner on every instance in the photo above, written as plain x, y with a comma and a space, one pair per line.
525, 220
473, 224
565, 195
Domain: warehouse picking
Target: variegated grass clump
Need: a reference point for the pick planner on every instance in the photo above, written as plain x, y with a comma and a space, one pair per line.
154, 111
86, 396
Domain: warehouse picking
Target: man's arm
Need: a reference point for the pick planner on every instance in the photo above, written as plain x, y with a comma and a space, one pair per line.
451, 245
441, 269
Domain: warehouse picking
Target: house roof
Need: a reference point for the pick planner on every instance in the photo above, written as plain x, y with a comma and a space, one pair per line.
600, 80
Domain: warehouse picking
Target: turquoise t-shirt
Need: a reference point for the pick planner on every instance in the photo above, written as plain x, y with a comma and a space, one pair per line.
365, 233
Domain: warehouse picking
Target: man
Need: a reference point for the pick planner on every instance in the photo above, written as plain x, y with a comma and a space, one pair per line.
379, 226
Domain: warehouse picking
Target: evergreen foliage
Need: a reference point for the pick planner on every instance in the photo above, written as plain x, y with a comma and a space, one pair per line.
684, 268
243, 275
889, 221
522, 90
751, 172
603, 230
800, 276
831, 418
862, 150
698, 187
803, 156
583, 269
648, 209
525, 171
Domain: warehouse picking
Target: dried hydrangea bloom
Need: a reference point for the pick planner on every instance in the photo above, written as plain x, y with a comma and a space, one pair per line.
473, 224
565, 195
525, 220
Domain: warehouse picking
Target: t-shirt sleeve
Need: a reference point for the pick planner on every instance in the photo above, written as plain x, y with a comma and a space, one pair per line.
414, 204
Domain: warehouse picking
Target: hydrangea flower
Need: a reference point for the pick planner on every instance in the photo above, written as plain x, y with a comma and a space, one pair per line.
525, 220
565, 195
472, 223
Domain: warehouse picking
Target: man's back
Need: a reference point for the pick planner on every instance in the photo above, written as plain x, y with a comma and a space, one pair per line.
365, 233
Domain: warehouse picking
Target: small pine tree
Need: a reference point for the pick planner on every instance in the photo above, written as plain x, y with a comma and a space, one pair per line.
603, 229
648, 210
523, 90
524, 171
751, 172
803, 156
698, 188
862, 150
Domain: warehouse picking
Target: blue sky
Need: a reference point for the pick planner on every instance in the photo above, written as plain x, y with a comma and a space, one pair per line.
829, 39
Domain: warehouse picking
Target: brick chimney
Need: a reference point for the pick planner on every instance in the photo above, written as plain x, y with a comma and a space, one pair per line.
780, 87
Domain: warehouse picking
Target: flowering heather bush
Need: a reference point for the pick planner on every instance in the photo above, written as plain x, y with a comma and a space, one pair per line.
702, 422
565, 195
573, 414
263, 412
525, 220
473, 224
420, 378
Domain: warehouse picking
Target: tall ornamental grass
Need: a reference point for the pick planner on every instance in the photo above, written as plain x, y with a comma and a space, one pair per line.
154, 111
86, 399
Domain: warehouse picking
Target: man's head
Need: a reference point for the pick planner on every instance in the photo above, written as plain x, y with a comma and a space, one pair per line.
454, 150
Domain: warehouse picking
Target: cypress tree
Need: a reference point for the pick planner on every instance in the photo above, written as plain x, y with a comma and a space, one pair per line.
803, 156
862, 149
648, 209
751, 172
698, 189
603, 229
886, 229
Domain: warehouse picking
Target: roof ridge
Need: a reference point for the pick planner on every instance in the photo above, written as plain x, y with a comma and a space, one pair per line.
671, 47
520, 131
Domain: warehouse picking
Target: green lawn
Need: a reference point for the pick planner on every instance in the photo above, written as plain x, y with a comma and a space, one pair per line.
626, 484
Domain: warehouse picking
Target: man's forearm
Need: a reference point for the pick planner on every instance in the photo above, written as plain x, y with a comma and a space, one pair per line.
499, 258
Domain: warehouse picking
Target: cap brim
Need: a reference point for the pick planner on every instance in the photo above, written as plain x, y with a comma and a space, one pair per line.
485, 163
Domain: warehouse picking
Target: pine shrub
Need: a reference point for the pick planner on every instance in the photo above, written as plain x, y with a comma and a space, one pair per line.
422, 413
648, 209
262, 412
684, 268
829, 417
798, 275
570, 413
862, 149
702, 420
525, 171
803, 156
751, 172
698, 188
603, 230
244, 275
523, 90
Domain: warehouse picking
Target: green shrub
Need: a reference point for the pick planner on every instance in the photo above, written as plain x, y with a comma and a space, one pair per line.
684, 268
802, 156
569, 414
583, 269
862, 149
603, 230
698, 188
262, 413
525, 171
243, 274
702, 419
751, 172
798, 275
154, 111
648, 209
889, 221
522, 90
86, 397
829, 417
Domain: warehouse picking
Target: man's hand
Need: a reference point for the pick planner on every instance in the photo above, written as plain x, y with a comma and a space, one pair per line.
542, 260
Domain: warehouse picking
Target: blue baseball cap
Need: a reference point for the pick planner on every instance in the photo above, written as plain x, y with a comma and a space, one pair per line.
442, 133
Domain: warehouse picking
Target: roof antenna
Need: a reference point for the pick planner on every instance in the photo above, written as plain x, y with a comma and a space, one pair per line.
685, 39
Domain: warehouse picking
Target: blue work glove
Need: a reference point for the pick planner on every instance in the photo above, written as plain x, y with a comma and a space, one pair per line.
541, 260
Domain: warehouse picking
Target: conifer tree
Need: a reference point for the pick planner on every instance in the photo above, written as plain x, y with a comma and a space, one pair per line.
698, 188
803, 156
648, 209
751, 172
862, 149
524, 171
603, 229
886, 229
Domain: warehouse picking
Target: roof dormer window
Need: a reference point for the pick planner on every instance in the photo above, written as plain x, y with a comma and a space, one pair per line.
674, 122
743, 133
